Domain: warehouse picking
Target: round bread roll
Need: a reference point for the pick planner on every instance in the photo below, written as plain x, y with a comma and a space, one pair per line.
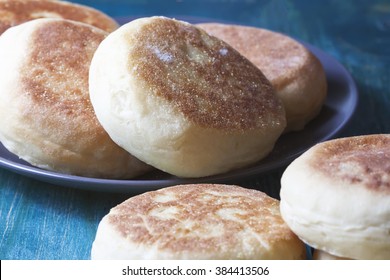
14, 12
201, 221
296, 74
46, 117
336, 197
181, 100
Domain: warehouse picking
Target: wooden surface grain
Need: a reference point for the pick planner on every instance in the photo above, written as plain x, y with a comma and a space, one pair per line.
43, 221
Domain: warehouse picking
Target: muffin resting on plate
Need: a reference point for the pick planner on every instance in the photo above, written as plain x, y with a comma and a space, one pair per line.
46, 117
183, 101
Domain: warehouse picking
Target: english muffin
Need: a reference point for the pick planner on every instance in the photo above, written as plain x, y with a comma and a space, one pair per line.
336, 197
46, 117
14, 12
296, 74
181, 100
201, 221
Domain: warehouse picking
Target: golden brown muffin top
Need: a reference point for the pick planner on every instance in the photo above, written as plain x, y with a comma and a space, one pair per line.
204, 217
54, 81
203, 77
14, 12
281, 58
363, 160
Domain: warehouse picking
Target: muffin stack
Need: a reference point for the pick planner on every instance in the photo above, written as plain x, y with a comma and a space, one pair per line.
79, 96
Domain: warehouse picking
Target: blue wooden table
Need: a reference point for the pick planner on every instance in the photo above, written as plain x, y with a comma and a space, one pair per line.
44, 221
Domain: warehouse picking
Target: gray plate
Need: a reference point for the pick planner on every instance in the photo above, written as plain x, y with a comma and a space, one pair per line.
337, 111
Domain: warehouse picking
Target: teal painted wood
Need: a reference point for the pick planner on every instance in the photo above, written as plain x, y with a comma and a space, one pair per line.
43, 221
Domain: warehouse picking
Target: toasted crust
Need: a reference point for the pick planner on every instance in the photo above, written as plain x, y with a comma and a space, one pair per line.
296, 74
14, 12
361, 160
46, 116
181, 100
198, 222
188, 68
346, 207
